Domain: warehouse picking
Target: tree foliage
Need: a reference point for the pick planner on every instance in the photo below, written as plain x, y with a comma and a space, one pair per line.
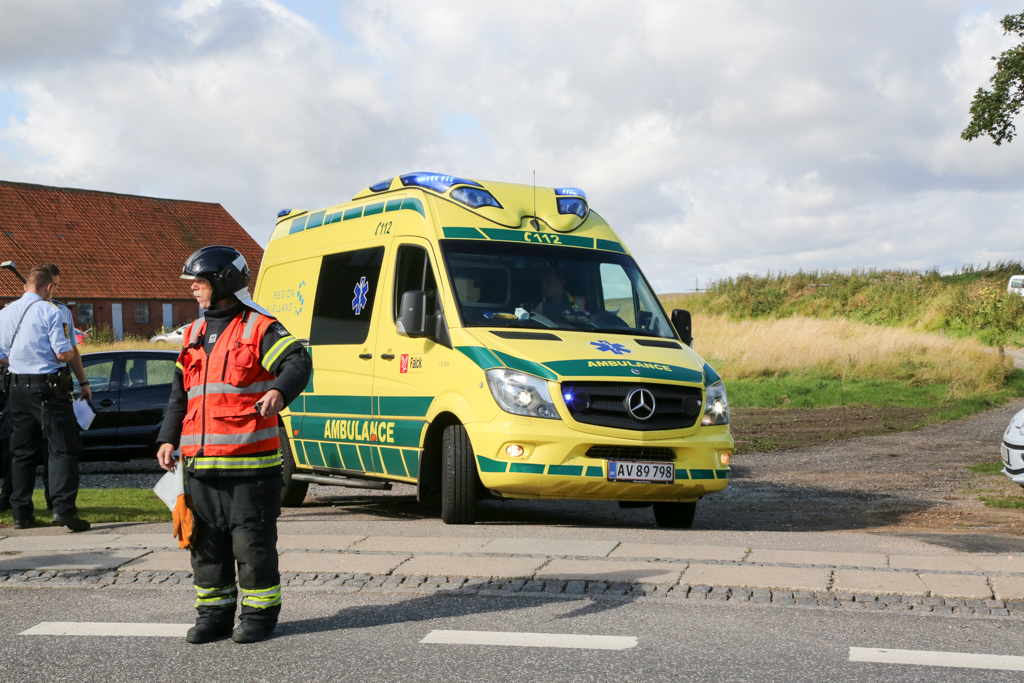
992, 111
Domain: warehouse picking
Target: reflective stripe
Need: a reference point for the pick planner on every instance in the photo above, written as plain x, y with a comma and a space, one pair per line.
263, 592
180, 366
225, 388
249, 324
262, 599
278, 348
216, 597
236, 439
236, 462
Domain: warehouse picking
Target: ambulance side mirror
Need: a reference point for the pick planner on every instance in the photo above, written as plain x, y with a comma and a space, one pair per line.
412, 319
684, 325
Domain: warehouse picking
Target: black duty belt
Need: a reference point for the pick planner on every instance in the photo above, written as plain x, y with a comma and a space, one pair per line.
32, 379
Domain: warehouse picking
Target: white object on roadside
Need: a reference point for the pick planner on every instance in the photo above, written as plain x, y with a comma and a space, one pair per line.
170, 486
84, 413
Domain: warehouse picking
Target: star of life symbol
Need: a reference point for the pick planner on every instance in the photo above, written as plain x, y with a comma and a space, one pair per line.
617, 349
359, 303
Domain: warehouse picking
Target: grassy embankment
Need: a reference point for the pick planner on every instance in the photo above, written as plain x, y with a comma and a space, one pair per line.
884, 338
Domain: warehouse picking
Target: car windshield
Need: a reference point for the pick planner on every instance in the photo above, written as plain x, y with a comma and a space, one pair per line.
502, 284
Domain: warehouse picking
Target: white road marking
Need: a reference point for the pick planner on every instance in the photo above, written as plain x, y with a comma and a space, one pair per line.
512, 639
100, 628
963, 660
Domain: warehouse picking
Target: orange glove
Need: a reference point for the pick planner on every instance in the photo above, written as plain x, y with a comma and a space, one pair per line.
184, 522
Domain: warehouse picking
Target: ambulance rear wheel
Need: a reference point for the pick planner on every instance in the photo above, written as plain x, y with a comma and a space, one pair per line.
459, 481
293, 492
675, 515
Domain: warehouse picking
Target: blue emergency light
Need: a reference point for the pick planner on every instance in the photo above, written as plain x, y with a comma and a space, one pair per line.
435, 181
474, 198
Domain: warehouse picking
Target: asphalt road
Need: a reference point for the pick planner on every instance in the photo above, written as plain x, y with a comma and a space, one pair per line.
378, 638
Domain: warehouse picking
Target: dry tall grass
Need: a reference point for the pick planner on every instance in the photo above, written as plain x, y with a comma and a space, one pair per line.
841, 348
127, 345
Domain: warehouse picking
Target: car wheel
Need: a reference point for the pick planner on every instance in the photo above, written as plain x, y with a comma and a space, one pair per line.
293, 492
459, 480
674, 515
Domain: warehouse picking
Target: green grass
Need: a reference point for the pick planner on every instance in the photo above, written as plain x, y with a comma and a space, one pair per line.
987, 468
107, 505
1005, 503
818, 391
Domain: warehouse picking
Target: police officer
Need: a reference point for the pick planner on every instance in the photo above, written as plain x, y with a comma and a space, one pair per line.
237, 369
36, 342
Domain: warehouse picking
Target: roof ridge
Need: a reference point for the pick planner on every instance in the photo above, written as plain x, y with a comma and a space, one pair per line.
40, 186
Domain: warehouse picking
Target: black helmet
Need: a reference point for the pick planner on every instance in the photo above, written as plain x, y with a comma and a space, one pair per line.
224, 267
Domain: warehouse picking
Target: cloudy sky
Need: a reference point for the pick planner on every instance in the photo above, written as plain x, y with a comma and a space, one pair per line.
718, 136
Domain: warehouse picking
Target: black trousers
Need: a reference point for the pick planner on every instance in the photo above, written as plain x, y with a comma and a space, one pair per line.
8, 480
37, 416
236, 522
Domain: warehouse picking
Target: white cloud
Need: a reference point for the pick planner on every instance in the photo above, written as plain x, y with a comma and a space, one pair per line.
718, 137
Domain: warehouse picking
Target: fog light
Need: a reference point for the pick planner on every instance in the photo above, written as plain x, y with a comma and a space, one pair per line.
725, 458
514, 451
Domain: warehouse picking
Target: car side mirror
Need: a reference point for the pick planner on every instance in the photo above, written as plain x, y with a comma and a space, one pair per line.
683, 323
412, 318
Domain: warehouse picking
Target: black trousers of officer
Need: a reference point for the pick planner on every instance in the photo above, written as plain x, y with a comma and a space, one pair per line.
236, 521
35, 414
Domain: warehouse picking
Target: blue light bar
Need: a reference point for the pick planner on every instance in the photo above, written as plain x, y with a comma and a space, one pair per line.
435, 181
283, 212
576, 205
474, 198
381, 186
570, 192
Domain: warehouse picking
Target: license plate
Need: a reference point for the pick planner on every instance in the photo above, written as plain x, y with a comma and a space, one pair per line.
1005, 452
656, 472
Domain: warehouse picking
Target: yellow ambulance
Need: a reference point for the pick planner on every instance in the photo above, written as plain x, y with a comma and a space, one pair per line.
483, 339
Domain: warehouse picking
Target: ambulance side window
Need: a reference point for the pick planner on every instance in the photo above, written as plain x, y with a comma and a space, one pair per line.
413, 272
345, 294
618, 293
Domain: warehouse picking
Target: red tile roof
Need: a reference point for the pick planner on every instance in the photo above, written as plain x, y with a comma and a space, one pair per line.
111, 246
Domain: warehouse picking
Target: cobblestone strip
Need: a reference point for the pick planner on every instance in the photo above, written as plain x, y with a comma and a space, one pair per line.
523, 587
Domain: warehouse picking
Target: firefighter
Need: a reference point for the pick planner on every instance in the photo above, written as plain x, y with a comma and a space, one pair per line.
238, 368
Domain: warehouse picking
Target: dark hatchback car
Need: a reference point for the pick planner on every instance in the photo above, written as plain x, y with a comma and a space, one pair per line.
130, 390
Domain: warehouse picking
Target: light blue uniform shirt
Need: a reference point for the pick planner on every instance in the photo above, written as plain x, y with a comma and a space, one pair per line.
67, 319
44, 333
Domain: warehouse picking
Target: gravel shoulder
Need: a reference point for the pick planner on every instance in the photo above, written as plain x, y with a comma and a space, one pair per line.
915, 480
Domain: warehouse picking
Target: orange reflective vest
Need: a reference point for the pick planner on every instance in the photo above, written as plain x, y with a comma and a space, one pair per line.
222, 430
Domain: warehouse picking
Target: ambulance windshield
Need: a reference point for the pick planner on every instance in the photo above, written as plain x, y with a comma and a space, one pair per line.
504, 284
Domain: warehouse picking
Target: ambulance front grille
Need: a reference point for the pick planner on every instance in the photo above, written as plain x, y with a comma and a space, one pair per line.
657, 454
604, 404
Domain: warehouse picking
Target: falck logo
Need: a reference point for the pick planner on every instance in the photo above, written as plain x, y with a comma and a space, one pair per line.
359, 303
617, 349
640, 403
403, 364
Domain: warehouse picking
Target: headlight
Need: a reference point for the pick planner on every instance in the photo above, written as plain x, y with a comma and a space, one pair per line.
716, 406
521, 394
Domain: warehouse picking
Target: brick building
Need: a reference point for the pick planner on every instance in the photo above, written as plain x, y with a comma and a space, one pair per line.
120, 255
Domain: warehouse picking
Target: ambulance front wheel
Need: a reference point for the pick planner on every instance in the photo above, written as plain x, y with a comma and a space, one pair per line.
674, 515
293, 492
459, 480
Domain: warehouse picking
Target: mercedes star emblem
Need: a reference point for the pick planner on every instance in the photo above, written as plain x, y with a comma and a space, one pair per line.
640, 403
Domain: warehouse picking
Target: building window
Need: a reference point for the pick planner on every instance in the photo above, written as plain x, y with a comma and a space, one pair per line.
85, 314
142, 313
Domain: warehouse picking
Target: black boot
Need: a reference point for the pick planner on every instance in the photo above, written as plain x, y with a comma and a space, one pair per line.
208, 629
252, 631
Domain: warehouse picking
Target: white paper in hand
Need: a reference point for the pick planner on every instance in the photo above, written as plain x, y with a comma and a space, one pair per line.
84, 413
170, 486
